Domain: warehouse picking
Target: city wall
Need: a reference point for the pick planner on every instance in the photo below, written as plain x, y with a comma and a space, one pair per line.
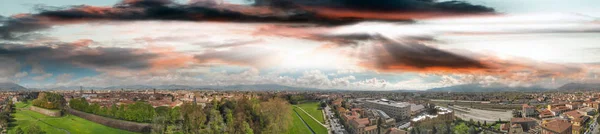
114, 123
53, 113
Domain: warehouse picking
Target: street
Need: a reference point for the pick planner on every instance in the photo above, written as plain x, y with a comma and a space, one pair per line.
334, 123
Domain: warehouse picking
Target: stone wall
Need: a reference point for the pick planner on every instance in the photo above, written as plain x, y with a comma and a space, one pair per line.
114, 123
53, 113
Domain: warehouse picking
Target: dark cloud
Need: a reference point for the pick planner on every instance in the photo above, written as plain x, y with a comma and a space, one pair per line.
383, 5
99, 57
19, 27
412, 55
403, 54
240, 55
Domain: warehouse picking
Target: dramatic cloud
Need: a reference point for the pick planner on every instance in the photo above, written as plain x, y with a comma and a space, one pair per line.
77, 54
414, 56
382, 5
19, 26
347, 44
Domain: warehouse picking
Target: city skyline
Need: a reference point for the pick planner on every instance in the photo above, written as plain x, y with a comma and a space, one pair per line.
329, 45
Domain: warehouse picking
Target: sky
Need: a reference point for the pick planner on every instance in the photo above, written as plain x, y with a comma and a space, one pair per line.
325, 44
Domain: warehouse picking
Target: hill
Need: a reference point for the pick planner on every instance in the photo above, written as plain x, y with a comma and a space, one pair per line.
580, 86
487, 88
9, 86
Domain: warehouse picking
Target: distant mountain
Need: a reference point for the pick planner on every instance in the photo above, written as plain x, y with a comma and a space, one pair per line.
580, 86
487, 88
258, 87
9, 86
265, 87
150, 87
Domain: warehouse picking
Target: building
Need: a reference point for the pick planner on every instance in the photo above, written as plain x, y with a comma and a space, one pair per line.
587, 111
556, 111
363, 126
573, 106
416, 109
557, 126
516, 129
524, 123
528, 111
577, 119
399, 111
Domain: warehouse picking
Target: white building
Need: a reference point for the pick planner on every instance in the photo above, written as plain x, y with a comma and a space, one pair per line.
398, 110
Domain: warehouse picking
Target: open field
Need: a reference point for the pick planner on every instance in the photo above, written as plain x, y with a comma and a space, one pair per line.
312, 108
313, 124
481, 115
57, 125
478, 105
298, 127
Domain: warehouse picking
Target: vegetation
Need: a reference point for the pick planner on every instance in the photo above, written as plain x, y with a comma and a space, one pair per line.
49, 100
138, 111
441, 124
5, 114
298, 127
244, 115
313, 109
313, 124
27, 121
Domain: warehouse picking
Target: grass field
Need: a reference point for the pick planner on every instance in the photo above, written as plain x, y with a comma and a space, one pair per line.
314, 125
298, 127
312, 108
58, 125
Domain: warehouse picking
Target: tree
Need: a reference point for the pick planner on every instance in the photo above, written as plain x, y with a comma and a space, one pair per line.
49, 100
193, 118
472, 130
247, 129
448, 128
175, 114
35, 129
229, 121
159, 125
275, 119
461, 129
162, 111
19, 131
216, 123
323, 104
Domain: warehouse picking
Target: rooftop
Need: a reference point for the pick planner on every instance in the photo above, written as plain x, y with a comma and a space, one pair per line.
390, 103
557, 125
515, 120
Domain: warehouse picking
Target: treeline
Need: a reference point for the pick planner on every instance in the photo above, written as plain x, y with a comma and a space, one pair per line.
5, 114
137, 112
228, 116
49, 100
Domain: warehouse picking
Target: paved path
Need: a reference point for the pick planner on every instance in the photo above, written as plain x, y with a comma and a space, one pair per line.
312, 117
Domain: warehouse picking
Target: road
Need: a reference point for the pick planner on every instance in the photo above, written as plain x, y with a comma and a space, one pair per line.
594, 129
334, 123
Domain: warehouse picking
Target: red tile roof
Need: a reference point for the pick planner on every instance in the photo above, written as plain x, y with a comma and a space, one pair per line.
557, 125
